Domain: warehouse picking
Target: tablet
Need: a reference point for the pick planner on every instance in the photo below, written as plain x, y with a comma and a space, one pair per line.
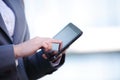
68, 35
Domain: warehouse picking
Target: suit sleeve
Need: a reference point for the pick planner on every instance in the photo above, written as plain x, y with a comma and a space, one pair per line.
7, 62
37, 67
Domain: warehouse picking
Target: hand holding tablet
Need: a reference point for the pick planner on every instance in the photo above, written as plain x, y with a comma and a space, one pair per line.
67, 35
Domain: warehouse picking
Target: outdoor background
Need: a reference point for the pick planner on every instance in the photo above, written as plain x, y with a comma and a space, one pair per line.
96, 54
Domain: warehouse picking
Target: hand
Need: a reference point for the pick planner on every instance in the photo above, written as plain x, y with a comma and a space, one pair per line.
53, 56
31, 46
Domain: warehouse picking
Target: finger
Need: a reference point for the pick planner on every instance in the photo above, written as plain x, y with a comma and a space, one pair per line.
49, 46
50, 55
45, 46
54, 52
44, 56
56, 58
56, 41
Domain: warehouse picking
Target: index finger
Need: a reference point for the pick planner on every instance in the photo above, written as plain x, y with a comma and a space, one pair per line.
57, 42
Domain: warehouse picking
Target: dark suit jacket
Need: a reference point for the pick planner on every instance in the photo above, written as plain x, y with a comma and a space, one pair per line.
31, 67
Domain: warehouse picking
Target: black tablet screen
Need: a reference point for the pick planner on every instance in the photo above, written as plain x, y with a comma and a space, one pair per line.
68, 35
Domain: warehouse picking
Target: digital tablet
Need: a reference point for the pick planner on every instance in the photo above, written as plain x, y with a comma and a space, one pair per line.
67, 35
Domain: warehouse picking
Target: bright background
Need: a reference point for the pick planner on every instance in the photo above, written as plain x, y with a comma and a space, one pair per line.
100, 22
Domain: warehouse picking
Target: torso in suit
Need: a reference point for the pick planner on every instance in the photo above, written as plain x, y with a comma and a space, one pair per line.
29, 68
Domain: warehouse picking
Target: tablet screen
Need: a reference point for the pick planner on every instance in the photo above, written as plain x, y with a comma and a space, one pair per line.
68, 35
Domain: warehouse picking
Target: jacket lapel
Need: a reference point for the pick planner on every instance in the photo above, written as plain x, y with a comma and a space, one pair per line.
19, 19
3, 27
2, 24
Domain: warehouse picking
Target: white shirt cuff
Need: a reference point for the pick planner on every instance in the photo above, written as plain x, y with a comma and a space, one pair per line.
16, 61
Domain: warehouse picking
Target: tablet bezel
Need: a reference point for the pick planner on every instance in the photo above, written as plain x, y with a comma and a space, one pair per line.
75, 29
